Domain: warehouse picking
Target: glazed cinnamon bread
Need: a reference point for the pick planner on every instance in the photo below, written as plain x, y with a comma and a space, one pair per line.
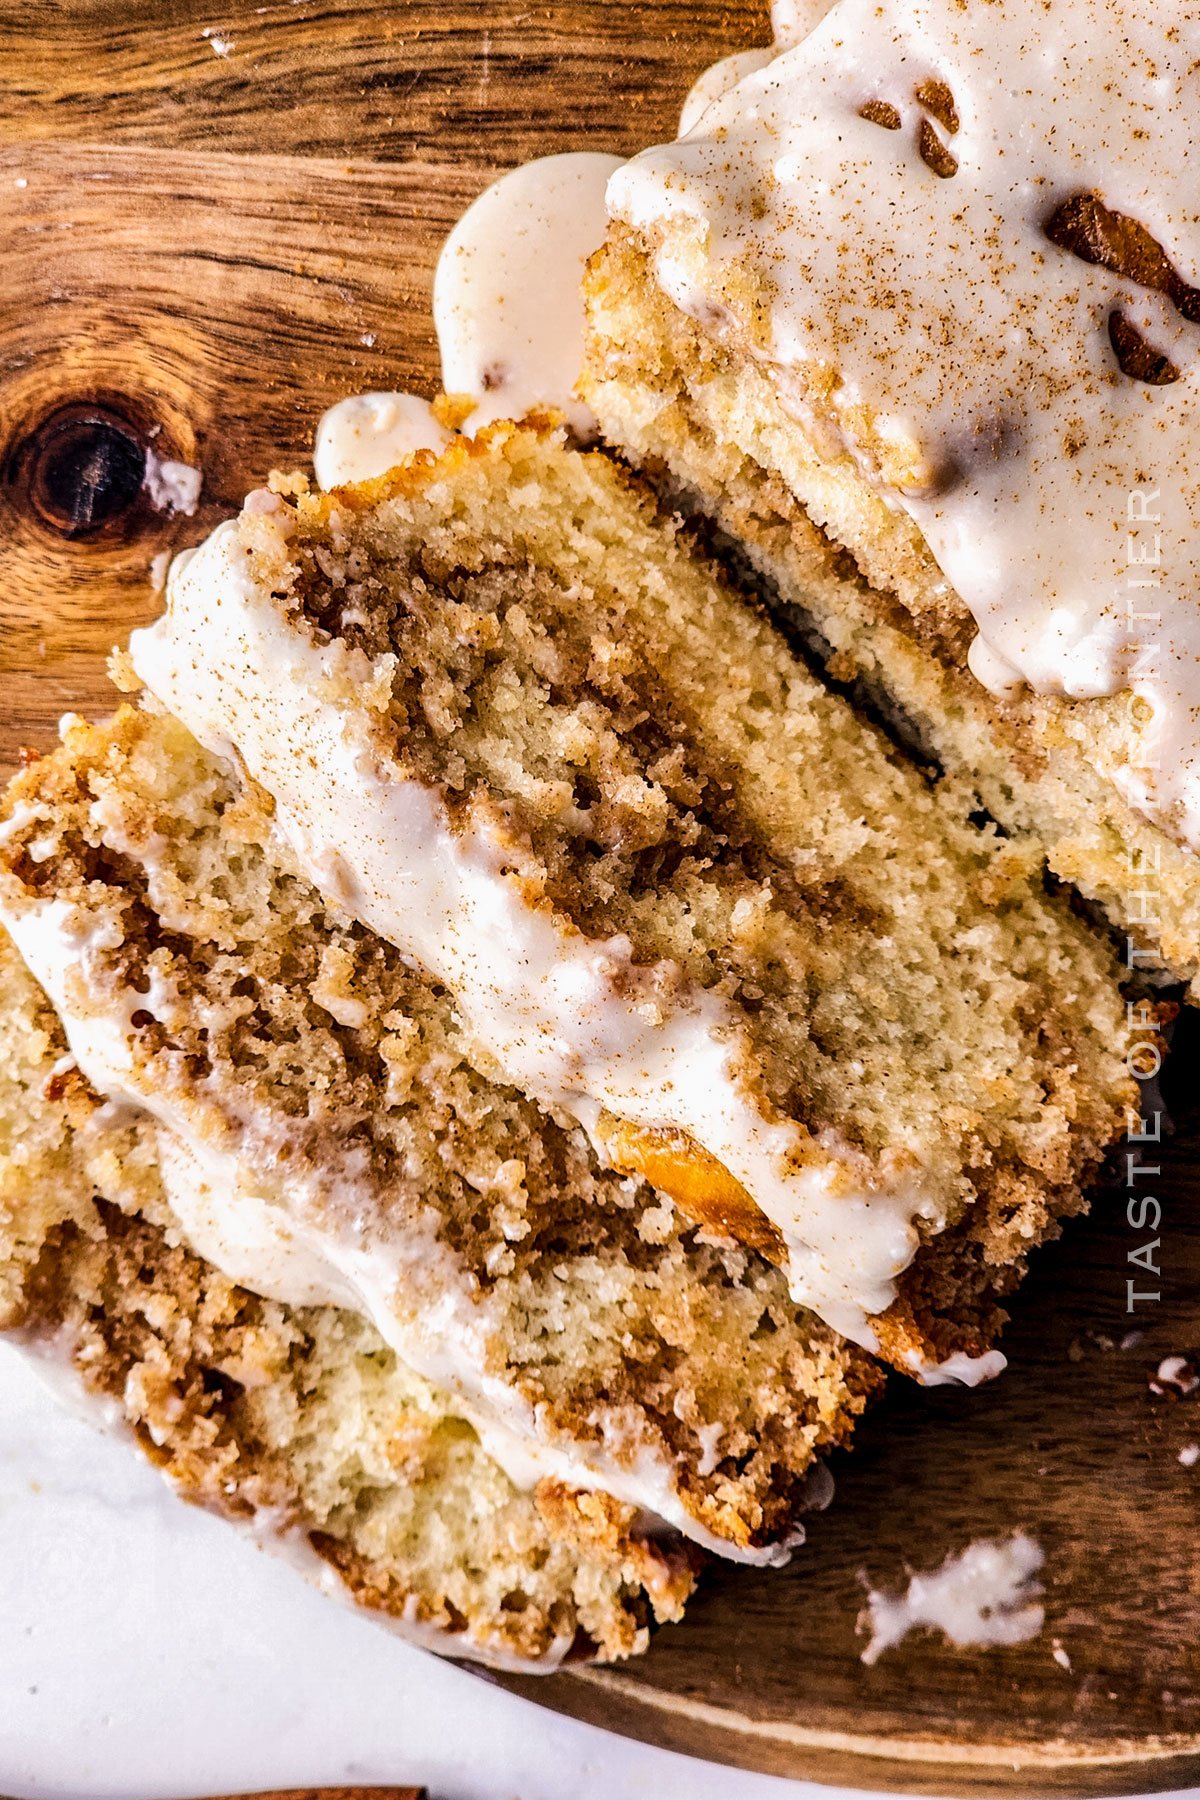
298, 1422
514, 724
331, 1135
912, 316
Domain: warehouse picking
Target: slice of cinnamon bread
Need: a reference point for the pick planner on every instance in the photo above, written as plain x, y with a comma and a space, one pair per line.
915, 319
298, 1422
332, 1135
678, 890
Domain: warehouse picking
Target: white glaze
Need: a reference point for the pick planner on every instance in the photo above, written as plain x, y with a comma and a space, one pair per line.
572, 1020
506, 293
365, 435
986, 1595
297, 1236
509, 318
958, 1370
171, 487
991, 670
717, 80
1177, 1374
970, 342
227, 1218
792, 20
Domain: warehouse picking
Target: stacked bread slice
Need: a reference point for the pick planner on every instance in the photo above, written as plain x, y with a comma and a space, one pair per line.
295, 1422
235, 1077
912, 318
501, 1027
518, 728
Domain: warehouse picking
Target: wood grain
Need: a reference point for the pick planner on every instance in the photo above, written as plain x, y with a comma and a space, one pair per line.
266, 289
214, 246
478, 84
214, 222
1070, 1445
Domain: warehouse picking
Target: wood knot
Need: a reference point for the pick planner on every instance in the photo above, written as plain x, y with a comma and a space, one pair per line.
80, 469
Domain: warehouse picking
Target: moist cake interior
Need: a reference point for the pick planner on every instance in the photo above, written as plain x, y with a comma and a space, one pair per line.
298, 1423
571, 1307
519, 632
943, 397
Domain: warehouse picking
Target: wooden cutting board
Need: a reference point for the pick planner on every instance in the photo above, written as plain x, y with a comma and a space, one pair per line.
215, 220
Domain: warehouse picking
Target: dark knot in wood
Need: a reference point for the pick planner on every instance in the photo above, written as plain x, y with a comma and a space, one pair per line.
80, 469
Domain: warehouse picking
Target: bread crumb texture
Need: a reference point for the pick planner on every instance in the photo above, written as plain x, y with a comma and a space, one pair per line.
540, 643
692, 406
297, 1421
300, 1043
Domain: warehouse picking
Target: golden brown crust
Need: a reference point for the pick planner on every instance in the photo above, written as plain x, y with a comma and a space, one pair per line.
700, 1186
340, 1051
745, 834
607, 1528
296, 1420
685, 405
